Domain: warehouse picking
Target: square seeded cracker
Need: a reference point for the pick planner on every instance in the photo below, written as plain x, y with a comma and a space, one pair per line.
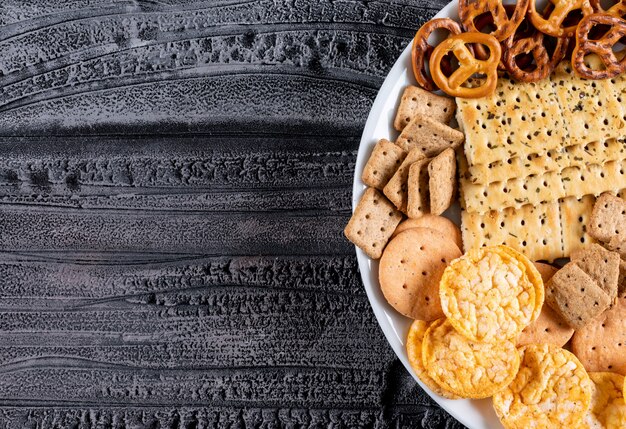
428, 135
418, 195
518, 119
608, 219
382, 164
575, 296
589, 108
417, 101
601, 265
373, 222
396, 189
532, 230
442, 181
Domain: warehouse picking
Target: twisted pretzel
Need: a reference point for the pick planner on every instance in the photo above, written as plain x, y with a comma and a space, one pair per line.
421, 51
602, 47
504, 26
555, 23
524, 46
468, 65
618, 9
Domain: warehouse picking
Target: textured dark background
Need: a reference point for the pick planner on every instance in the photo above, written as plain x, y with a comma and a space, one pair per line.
174, 181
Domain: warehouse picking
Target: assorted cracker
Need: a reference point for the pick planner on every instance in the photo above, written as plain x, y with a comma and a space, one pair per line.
438, 223
382, 164
601, 265
442, 181
429, 136
418, 189
416, 101
397, 189
372, 223
608, 219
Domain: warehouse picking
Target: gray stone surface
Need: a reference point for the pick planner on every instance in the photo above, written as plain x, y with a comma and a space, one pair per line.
174, 181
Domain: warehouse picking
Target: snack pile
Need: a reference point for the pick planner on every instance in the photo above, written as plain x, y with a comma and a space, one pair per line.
520, 39
533, 148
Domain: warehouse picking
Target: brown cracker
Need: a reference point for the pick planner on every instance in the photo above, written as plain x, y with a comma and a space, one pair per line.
575, 214
382, 164
601, 345
410, 270
601, 265
621, 280
416, 101
372, 223
533, 230
438, 223
575, 296
428, 135
608, 218
442, 181
417, 202
396, 189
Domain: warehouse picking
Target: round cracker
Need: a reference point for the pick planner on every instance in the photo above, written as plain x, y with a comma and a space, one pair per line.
414, 351
607, 409
487, 295
410, 270
438, 223
467, 368
601, 344
549, 326
551, 389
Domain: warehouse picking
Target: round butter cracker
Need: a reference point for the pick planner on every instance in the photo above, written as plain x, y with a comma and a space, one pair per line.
411, 268
551, 390
549, 326
601, 344
438, 223
487, 295
467, 368
414, 351
608, 409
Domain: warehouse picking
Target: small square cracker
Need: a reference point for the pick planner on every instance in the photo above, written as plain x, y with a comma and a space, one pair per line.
416, 100
382, 164
601, 265
442, 181
430, 136
608, 219
575, 296
396, 189
417, 203
372, 223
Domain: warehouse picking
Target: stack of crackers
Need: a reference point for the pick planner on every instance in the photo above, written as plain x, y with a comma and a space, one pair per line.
536, 157
414, 176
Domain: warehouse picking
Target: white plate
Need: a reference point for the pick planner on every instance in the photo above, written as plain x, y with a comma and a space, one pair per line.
475, 414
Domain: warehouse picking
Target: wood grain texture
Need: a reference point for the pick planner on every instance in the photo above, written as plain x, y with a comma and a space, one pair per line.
175, 177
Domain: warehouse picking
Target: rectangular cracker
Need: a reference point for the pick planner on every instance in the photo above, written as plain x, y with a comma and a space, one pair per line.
555, 159
372, 223
430, 136
418, 198
575, 213
601, 265
575, 296
516, 120
396, 189
593, 179
608, 219
442, 181
533, 230
590, 108
382, 164
417, 101
513, 193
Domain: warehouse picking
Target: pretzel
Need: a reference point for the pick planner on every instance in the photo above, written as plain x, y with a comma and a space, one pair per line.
468, 65
504, 26
618, 9
422, 51
602, 47
555, 23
